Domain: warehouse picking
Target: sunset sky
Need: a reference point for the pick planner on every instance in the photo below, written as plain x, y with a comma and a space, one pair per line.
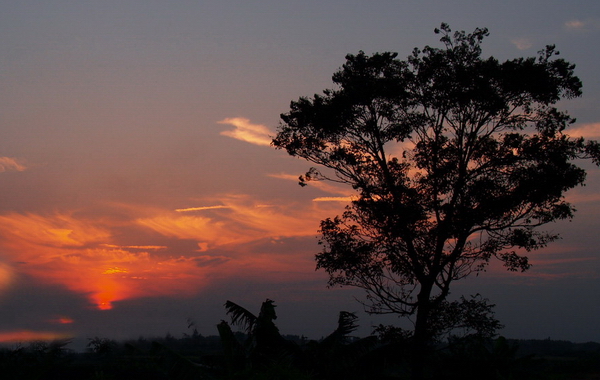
138, 189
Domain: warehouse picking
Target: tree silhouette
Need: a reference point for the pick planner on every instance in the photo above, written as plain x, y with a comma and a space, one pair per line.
263, 347
456, 159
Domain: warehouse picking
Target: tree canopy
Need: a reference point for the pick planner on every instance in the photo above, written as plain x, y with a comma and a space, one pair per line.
456, 159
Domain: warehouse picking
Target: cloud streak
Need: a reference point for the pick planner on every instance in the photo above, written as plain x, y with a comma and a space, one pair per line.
96, 258
29, 335
11, 164
244, 130
201, 208
582, 25
522, 43
245, 220
591, 130
333, 199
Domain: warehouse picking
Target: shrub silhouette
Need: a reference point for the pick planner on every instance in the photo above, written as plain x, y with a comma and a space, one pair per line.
264, 352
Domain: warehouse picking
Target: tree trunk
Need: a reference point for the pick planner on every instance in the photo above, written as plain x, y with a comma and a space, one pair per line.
422, 333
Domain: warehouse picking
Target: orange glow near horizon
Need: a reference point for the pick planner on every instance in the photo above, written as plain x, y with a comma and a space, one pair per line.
238, 239
81, 255
94, 257
6, 276
85, 256
29, 336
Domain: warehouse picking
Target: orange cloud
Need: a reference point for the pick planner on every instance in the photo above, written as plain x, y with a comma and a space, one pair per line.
62, 320
6, 276
92, 257
58, 231
28, 336
333, 199
80, 255
202, 208
245, 227
10, 164
199, 228
588, 131
241, 219
244, 130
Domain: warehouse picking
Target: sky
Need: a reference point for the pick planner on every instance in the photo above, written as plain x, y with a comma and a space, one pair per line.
138, 190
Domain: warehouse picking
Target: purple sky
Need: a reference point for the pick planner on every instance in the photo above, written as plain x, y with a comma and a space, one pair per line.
139, 190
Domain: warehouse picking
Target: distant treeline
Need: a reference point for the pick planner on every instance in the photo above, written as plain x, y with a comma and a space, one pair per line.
548, 347
194, 356
192, 343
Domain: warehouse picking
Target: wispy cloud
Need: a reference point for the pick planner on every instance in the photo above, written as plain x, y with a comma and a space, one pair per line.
58, 230
145, 247
582, 25
591, 130
247, 220
522, 43
577, 197
93, 256
333, 199
246, 131
324, 186
28, 336
575, 24
201, 208
11, 164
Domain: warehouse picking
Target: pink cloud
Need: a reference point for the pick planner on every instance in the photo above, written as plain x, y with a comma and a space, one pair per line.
577, 25
11, 164
591, 130
246, 131
522, 43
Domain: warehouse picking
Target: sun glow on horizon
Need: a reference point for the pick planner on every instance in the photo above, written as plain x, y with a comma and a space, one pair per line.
30, 335
94, 257
89, 256
82, 256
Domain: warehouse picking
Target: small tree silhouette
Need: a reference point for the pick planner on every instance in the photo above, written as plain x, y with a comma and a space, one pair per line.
264, 349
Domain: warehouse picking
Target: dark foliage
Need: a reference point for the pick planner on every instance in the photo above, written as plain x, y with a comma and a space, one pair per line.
338, 356
264, 352
456, 159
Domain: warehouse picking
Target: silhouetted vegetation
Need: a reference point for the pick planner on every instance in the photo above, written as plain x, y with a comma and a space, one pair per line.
259, 352
478, 162
455, 160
